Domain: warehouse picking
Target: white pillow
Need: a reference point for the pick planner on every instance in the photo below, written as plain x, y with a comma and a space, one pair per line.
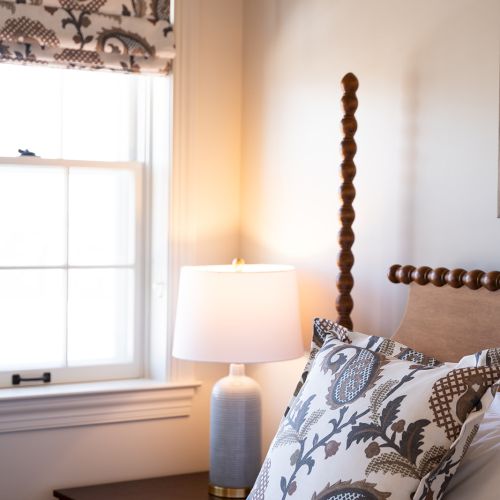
478, 475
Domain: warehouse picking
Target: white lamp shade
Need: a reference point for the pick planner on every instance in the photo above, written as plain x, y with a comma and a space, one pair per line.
246, 315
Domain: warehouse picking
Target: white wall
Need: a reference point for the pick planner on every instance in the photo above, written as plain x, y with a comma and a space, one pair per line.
32, 464
427, 148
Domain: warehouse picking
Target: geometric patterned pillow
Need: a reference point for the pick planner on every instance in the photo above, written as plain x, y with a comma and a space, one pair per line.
325, 328
369, 426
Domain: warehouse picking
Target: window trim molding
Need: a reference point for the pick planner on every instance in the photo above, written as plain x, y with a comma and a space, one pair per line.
182, 226
74, 405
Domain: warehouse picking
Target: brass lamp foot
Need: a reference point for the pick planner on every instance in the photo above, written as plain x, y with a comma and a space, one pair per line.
223, 492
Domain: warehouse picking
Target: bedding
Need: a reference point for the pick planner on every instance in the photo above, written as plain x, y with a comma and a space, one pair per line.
370, 426
477, 476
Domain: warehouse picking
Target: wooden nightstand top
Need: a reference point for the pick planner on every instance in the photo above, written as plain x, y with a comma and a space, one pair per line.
182, 487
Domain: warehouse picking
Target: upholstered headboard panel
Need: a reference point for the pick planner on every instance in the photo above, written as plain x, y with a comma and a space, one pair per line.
449, 313
448, 323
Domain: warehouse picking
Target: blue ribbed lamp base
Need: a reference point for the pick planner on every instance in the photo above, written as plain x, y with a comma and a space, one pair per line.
235, 434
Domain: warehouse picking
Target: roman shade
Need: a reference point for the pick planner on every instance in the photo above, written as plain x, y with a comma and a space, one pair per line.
122, 35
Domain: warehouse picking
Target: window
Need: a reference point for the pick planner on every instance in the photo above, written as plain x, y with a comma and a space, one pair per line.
75, 232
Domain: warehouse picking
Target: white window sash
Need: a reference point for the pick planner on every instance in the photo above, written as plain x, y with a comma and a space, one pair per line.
97, 372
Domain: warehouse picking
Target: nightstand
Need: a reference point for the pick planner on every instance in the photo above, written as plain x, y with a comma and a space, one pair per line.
182, 487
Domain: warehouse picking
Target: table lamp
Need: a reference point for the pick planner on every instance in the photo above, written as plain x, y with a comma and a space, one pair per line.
237, 314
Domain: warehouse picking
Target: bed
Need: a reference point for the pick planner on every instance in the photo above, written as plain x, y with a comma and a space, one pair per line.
415, 416
441, 301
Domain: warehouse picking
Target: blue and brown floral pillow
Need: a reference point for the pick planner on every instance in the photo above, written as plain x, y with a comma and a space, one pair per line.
366, 425
324, 329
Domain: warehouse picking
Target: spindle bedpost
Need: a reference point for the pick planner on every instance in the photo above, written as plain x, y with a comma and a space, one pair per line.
345, 259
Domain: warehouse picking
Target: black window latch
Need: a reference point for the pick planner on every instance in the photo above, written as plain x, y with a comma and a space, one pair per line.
17, 379
25, 152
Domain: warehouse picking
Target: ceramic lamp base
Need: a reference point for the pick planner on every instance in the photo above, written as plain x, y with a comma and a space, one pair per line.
235, 434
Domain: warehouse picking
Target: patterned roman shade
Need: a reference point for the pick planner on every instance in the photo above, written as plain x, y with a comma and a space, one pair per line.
124, 35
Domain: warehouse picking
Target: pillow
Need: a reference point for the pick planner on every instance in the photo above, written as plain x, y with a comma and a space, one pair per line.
324, 329
368, 426
477, 476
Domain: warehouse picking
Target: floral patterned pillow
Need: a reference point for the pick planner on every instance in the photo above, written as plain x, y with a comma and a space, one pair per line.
369, 426
324, 329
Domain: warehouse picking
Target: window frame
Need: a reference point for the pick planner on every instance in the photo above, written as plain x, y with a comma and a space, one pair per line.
169, 385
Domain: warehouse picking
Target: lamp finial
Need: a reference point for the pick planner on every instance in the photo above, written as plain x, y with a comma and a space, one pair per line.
238, 263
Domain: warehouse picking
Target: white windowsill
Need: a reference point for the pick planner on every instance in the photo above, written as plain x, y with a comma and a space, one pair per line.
70, 405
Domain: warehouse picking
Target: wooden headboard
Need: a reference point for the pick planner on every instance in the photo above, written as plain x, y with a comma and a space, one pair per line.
449, 313
458, 314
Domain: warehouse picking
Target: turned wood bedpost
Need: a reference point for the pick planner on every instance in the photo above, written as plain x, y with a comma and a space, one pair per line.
345, 259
